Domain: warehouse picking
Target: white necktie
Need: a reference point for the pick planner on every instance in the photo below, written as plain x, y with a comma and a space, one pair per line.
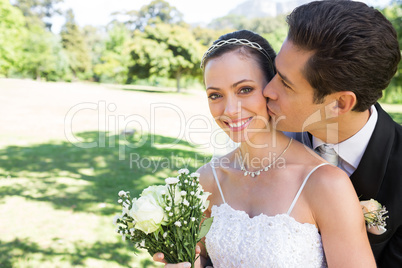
328, 153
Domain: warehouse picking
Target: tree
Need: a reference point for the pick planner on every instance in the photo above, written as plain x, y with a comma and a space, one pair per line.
12, 31
43, 56
206, 36
95, 38
115, 56
39, 11
165, 50
76, 47
158, 11
393, 13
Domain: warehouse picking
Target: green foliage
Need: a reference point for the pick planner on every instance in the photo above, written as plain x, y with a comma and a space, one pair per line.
205, 36
276, 38
39, 11
115, 56
158, 11
12, 28
165, 50
76, 48
262, 25
43, 56
393, 94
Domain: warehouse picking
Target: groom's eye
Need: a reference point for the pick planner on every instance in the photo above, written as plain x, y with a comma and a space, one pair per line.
284, 84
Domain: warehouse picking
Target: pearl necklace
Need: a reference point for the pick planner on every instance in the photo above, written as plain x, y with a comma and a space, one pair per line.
258, 172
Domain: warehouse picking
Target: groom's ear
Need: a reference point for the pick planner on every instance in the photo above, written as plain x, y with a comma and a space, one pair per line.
346, 100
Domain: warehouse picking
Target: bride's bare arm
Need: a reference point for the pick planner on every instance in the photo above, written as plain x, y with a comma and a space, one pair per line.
339, 217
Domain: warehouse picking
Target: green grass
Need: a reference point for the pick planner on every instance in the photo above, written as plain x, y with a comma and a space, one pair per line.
57, 200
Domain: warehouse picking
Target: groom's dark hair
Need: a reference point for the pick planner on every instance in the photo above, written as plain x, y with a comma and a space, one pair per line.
355, 49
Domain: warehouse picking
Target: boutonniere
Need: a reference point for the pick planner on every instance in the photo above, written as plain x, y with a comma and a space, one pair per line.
374, 213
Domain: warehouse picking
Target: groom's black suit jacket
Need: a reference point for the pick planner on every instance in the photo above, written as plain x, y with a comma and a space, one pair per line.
379, 176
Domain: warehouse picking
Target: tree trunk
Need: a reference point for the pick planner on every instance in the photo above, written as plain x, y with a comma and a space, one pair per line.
37, 74
178, 75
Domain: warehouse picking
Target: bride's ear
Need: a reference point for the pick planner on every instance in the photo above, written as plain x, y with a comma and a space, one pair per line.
345, 101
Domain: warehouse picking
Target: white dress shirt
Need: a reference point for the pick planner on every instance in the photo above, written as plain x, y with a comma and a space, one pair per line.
351, 151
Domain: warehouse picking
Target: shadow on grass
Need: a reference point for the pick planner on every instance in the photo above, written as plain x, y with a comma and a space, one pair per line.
22, 248
88, 179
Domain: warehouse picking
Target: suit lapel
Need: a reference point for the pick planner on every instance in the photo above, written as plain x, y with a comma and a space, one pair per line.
369, 174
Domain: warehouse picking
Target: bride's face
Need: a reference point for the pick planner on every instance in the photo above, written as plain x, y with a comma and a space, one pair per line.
234, 85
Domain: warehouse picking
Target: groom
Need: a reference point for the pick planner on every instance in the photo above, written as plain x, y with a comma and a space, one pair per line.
331, 70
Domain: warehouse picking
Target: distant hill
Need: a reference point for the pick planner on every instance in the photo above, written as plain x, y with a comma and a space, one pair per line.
266, 8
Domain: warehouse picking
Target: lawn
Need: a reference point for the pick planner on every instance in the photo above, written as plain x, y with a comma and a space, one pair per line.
57, 198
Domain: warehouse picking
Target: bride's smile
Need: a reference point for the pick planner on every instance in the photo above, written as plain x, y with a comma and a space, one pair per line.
238, 125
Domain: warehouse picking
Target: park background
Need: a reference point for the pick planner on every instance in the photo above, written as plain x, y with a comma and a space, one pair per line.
87, 111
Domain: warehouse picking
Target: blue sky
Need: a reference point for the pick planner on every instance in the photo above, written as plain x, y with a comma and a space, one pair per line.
97, 12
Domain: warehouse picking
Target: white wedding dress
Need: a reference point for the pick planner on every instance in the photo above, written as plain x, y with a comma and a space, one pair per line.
236, 240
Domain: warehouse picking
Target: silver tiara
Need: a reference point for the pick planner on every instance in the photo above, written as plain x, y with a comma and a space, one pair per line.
235, 41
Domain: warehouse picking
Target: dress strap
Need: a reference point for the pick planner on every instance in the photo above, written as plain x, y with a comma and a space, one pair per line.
217, 182
302, 186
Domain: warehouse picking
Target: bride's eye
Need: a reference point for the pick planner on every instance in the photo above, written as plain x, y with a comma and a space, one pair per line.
214, 96
245, 90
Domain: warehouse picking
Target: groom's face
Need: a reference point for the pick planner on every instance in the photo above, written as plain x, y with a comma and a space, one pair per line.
290, 97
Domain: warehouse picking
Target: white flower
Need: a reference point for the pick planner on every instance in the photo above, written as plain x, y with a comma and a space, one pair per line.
203, 197
184, 171
186, 181
195, 175
147, 214
164, 235
177, 223
117, 217
142, 244
186, 203
157, 192
192, 219
168, 208
123, 237
185, 222
171, 180
183, 193
122, 193
170, 214
192, 193
120, 201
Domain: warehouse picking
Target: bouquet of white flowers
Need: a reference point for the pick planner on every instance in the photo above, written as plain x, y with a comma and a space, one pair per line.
166, 218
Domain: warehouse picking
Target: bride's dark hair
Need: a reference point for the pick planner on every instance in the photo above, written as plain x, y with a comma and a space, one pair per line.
265, 58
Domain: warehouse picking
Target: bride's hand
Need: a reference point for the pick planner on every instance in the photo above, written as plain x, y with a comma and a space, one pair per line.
159, 257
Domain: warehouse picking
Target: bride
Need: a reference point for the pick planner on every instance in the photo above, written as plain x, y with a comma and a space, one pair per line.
275, 203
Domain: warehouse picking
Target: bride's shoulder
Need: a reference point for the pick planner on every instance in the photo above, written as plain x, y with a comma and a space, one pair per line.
206, 176
220, 165
329, 182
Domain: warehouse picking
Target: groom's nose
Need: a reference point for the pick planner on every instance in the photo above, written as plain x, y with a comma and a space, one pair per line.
269, 90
